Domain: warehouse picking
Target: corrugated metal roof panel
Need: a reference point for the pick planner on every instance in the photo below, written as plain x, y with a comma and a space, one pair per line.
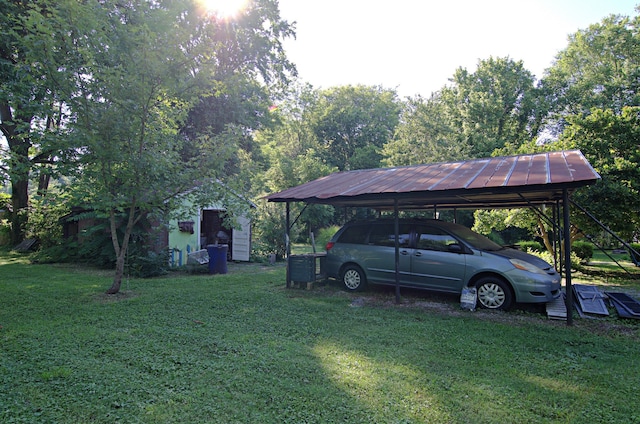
489, 181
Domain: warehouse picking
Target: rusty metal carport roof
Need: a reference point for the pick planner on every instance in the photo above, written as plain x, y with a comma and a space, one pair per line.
509, 181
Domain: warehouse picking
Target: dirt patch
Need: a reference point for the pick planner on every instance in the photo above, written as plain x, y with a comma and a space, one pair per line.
121, 295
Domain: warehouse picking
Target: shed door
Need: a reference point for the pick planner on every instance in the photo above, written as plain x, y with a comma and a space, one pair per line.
241, 240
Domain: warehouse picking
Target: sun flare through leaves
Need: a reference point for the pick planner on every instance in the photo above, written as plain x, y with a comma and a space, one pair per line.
224, 8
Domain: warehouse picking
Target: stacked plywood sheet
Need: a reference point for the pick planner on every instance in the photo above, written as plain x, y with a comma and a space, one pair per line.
557, 308
590, 300
626, 306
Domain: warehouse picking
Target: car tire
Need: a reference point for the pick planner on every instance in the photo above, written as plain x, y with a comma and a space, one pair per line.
494, 293
353, 278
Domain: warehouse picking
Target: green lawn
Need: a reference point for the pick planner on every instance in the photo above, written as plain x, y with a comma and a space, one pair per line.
240, 348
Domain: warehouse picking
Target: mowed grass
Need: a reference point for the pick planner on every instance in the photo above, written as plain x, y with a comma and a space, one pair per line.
241, 348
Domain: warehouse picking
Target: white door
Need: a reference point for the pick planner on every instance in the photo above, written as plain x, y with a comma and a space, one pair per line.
241, 240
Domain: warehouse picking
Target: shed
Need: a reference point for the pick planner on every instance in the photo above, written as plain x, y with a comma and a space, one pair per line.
498, 182
205, 225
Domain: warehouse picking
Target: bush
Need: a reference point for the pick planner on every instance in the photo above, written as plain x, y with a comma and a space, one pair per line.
44, 218
583, 250
531, 246
5, 232
65, 251
547, 257
270, 230
148, 264
634, 258
324, 235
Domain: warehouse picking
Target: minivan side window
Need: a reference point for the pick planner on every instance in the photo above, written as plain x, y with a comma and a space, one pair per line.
431, 238
385, 235
355, 235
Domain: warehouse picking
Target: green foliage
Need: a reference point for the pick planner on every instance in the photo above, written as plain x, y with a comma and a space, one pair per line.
45, 218
546, 256
324, 235
583, 250
479, 112
499, 220
238, 348
352, 123
531, 246
610, 142
94, 247
592, 92
492, 106
5, 225
5, 232
34, 58
146, 263
576, 262
270, 231
143, 97
634, 257
424, 135
598, 69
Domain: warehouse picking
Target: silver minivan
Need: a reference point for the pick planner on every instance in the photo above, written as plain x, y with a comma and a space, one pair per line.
439, 256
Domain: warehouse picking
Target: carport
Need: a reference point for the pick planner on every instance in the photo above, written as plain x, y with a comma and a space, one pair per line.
501, 182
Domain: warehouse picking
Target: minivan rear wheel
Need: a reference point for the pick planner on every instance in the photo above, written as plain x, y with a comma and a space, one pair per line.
353, 278
494, 293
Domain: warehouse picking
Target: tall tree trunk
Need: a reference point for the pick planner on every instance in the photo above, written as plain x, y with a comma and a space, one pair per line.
20, 206
16, 130
121, 249
43, 184
117, 278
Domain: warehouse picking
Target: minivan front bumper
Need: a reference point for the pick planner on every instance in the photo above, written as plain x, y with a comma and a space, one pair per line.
535, 288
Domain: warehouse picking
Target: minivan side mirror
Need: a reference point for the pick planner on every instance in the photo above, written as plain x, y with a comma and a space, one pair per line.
456, 248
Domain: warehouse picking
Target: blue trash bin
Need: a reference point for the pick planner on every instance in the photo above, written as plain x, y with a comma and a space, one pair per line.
212, 250
217, 258
221, 264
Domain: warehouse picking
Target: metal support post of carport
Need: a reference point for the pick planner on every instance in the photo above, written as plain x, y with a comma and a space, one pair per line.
396, 220
287, 240
567, 255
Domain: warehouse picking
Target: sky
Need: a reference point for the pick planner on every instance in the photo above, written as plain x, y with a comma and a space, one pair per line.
415, 46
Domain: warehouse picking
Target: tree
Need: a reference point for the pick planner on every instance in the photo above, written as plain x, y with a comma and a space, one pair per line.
600, 68
145, 66
291, 155
592, 91
34, 39
424, 135
352, 124
584, 103
477, 114
492, 106
248, 55
611, 142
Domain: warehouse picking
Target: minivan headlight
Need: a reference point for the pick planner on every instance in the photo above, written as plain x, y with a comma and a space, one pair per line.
526, 266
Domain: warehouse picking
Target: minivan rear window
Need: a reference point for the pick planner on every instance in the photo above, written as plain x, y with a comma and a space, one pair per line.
355, 235
385, 235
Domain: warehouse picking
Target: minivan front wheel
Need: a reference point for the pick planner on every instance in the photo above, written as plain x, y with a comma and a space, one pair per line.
353, 278
494, 293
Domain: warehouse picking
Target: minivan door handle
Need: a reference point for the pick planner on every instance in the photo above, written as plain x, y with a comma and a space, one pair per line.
418, 253
404, 252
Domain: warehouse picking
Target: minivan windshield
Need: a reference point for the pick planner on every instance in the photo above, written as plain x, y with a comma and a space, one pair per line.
475, 240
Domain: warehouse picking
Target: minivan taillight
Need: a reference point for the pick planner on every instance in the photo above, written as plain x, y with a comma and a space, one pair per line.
329, 246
